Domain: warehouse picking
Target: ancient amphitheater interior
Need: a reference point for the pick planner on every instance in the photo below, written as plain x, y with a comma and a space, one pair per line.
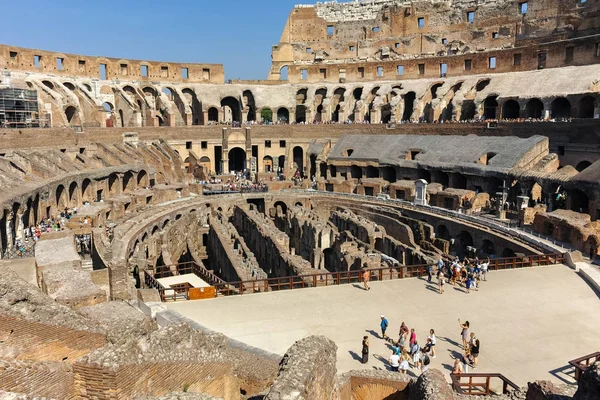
170, 234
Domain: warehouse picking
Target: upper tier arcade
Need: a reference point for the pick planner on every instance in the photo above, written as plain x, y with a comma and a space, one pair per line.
392, 39
104, 68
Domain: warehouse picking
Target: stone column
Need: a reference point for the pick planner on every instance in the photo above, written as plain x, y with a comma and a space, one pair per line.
205, 117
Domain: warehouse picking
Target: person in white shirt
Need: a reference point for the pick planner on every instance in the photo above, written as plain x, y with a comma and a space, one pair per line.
433, 340
395, 361
484, 269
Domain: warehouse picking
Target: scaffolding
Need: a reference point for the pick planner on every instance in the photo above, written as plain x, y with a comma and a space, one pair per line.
19, 109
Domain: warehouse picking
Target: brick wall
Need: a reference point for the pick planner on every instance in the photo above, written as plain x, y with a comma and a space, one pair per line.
25, 340
126, 382
50, 380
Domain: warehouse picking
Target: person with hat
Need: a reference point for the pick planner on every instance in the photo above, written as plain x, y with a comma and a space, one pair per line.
384, 325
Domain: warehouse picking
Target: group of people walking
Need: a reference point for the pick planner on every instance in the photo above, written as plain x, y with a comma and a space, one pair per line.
408, 353
468, 273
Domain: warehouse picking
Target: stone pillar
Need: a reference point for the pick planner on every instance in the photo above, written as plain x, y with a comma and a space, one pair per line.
546, 113
292, 115
421, 195
205, 117
596, 112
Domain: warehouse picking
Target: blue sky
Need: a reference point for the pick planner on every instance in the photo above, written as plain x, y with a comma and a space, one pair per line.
236, 33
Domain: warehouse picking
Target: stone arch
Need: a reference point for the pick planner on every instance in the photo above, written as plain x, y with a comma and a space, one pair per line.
490, 105
389, 174
266, 114
250, 106
487, 247
149, 91
464, 240
298, 157
534, 108
113, 182
234, 106
409, 104
372, 172
62, 201
48, 84
320, 96
237, 159
213, 114
579, 201
468, 110
510, 109
128, 181
442, 232
195, 106
283, 115
583, 165
86, 190
129, 90
72, 114
560, 108
69, 85
284, 73
73, 194
142, 178
482, 84
280, 205
300, 114
587, 105
169, 92
267, 164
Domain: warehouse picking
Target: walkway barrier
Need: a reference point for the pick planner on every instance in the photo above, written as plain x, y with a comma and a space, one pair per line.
377, 274
479, 384
582, 363
22, 251
514, 233
180, 292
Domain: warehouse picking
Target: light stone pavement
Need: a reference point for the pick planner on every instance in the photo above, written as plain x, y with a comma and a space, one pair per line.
530, 322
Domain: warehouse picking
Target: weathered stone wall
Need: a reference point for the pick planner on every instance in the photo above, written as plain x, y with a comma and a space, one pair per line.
269, 245
307, 371
52, 380
34, 341
155, 379
369, 35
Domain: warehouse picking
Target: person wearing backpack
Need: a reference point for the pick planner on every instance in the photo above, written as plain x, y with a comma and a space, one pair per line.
384, 325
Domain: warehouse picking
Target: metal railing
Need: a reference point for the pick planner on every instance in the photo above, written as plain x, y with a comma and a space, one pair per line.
12, 253
479, 384
515, 234
377, 274
581, 364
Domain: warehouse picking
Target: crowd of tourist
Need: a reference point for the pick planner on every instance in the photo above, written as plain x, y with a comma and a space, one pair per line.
239, 182
468, 273
407, 351
31, 234
237, 124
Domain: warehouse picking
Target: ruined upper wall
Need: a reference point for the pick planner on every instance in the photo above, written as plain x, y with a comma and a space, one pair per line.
63, 64
334, 33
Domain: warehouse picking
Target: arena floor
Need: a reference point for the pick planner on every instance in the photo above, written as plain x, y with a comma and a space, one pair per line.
530, 322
